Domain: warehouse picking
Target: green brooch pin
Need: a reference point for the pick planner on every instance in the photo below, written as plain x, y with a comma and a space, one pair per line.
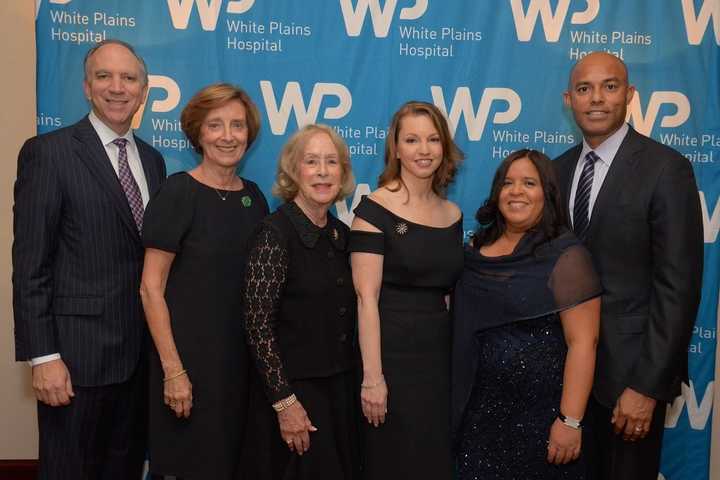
246, 201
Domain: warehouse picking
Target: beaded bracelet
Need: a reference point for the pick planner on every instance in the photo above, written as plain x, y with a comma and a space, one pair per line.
281, 405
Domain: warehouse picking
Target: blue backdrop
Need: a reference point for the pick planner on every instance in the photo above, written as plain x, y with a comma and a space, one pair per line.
497, 68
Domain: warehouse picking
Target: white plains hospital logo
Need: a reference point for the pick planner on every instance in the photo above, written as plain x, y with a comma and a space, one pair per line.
552, 22
696, 22
463, 105
645, 123
292, 100
208, 10
381, 16
166, 104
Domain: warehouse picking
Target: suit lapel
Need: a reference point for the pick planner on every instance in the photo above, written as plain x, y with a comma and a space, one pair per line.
152, 175
92, 152
566, 179
620, 170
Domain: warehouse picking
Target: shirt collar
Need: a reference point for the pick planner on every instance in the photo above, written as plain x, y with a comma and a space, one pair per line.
608, 148
106, 134
309, 232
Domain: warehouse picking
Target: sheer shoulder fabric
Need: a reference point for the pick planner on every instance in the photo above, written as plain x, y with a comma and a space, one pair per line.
266, 275
573, 279
169, 214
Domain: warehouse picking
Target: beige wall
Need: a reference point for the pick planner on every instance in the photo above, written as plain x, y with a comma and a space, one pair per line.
18, 431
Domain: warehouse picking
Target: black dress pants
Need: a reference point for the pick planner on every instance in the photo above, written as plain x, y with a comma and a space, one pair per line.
100, 435
609, 457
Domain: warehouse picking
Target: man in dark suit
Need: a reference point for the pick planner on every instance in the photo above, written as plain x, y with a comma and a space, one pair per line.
77, 258
635, 204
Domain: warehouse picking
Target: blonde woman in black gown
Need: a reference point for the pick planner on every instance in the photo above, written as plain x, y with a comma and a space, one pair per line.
406, 245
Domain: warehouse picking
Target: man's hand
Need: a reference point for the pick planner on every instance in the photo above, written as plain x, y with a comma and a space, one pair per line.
51, 382
632, 415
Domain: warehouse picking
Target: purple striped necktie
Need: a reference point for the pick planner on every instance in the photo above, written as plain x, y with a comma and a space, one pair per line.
129, 185
581, 209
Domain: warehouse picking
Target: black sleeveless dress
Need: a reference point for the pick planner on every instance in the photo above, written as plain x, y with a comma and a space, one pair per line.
420, 266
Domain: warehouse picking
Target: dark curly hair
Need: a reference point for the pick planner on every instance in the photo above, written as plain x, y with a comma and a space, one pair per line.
491, 221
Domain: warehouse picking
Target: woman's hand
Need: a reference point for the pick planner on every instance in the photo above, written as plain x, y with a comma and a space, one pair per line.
295, 428
564, 443
373, 398
178, 395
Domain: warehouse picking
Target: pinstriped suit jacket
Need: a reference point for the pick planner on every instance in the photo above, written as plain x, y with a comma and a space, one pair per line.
77, 256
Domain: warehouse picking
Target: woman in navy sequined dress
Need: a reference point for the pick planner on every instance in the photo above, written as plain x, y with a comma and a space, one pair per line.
526, 316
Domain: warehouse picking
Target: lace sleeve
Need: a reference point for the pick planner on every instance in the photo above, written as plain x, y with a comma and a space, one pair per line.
265, 278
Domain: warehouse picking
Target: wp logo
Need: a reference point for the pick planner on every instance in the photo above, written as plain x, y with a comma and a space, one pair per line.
696, 24
552, 22
645, 123
171, 100
381, 17
462, 105
292, 100
208, 10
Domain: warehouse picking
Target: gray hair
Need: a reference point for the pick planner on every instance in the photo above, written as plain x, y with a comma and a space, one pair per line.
112, 41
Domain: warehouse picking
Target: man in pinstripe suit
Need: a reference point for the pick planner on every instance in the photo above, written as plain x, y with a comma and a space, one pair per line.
77, 259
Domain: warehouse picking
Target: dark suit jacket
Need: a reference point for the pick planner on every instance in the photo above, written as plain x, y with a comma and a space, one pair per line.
77, 256
646, 239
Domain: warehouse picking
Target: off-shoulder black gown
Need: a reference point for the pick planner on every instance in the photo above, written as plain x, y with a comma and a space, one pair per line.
509, 356
420, 266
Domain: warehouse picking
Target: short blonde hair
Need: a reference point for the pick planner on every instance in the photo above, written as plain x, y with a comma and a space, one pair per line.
286, 179
215, 96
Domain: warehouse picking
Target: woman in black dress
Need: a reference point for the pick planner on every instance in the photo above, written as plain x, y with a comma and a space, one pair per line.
406, 245
526, 315
195, 231
300, 321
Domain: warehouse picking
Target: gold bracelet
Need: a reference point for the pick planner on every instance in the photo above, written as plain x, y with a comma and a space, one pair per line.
378, 383
281, 405
181, 372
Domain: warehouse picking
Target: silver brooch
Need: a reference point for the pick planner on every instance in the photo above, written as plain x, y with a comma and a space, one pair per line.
401, 228
335, 234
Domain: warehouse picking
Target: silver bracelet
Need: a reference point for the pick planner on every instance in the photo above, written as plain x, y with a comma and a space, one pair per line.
570, 421
373, 385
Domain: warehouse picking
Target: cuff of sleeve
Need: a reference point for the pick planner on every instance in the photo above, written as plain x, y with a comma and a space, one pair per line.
34, 362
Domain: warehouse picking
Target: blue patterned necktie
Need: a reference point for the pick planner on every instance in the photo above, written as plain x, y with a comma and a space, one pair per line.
129, 185
581, 209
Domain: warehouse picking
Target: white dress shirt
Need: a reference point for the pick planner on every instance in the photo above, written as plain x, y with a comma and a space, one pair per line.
606, 151
107, 135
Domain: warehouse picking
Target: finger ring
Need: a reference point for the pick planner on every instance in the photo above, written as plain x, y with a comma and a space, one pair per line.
638, 429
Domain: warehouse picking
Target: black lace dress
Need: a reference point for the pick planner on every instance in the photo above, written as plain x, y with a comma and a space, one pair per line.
509, 356
420, 266
300, 313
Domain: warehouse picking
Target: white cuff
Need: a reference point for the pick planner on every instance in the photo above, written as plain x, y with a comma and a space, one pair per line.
34, 362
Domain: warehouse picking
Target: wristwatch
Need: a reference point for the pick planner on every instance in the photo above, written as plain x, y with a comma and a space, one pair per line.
570, 422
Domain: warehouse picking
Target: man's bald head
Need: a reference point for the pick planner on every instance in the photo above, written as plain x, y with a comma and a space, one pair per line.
598, 94
599, 57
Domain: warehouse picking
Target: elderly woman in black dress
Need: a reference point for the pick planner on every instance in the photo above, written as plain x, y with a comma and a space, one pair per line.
526, 314
300, 320
195, 232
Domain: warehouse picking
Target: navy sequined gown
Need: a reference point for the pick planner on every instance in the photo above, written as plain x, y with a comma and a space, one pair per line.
512, 339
